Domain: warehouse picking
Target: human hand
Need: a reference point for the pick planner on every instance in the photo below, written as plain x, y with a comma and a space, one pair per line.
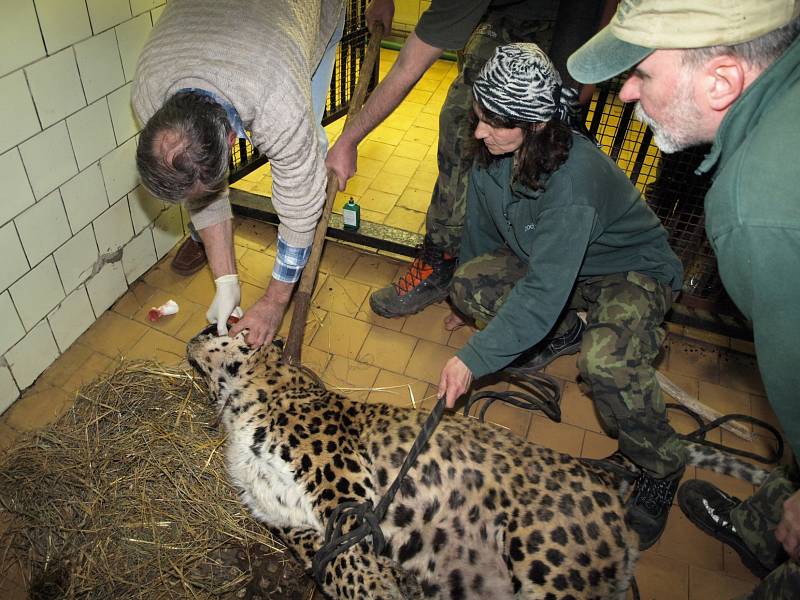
454, 381
225, 303
788, 530
342, 160
264, 318
380, 11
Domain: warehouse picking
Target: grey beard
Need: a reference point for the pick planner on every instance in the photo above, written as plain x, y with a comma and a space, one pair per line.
667, 142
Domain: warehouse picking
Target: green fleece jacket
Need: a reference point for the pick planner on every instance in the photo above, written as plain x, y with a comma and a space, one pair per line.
753, 223
588, 221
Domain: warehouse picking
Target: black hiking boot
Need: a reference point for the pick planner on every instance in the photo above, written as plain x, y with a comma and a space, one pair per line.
708, 507
549, 349
648, 507
426, 282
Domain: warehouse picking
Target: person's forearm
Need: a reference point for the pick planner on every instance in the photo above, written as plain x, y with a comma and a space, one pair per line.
218, 243
414, 59
278, 292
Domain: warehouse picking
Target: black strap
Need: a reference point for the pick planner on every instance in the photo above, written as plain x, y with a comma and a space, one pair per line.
538, 391
367, 519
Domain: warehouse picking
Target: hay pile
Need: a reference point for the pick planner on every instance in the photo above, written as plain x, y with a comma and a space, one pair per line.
126, 497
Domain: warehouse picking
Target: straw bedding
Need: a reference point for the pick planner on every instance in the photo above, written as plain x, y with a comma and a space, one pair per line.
126, 497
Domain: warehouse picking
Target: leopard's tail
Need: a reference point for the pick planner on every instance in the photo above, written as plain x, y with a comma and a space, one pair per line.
713, 459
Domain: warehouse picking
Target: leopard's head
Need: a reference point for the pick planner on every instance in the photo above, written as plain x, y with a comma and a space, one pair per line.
227, 364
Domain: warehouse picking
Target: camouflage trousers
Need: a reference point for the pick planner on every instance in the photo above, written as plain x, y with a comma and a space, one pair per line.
755, 520
445, 218
623, 337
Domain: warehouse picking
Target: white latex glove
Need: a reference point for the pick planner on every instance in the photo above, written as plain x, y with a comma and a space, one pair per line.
226, 302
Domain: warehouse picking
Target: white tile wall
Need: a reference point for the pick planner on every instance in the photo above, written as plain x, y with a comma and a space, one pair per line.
63, 22
107, 13
56, 86
17, 113
32, 355
139, 6
76, 259
113, 228
68, 175
37, 292
84, 197
131, 36
12, 330
20, 40
99, 65
13, 264
119, 170
91, 133
8, 389
17, 194
138, 255
105, 287
49, 159
145, 207
122, 117
168, 230
71, 318
43, 227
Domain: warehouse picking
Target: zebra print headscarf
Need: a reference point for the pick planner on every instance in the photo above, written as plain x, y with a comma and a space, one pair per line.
520, 82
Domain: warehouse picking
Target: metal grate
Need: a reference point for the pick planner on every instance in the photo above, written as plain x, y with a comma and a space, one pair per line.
669, 185
245, 158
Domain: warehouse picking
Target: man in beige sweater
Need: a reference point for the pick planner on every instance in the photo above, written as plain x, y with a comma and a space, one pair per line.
210, 70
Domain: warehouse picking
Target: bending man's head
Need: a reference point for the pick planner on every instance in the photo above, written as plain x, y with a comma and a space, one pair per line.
691, 59
184, 148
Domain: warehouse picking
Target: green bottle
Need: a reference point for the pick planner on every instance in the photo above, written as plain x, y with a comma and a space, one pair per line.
351, 215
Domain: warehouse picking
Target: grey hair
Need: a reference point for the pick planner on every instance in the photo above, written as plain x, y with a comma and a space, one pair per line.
758, 53
194, 129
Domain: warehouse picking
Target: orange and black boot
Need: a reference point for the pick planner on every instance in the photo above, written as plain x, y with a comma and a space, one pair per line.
426, 282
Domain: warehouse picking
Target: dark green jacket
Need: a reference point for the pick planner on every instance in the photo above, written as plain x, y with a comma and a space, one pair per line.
589, 221
753, 223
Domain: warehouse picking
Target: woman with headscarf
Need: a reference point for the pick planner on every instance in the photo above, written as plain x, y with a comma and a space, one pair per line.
553, 227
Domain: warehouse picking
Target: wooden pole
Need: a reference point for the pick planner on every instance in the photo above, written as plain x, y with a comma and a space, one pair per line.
302, 298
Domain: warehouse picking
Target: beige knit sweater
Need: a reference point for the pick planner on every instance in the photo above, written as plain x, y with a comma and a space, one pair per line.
259, 55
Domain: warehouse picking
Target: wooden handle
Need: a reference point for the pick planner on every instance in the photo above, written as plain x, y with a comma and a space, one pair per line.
302, 298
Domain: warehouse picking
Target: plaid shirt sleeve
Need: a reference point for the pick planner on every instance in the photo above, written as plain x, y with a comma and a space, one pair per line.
289, 262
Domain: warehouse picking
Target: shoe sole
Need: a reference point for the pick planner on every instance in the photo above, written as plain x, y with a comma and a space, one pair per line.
388, 314
752, 563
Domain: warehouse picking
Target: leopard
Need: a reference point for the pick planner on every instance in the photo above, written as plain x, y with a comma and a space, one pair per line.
481, 514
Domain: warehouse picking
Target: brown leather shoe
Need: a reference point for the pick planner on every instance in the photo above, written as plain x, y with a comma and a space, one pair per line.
190, 258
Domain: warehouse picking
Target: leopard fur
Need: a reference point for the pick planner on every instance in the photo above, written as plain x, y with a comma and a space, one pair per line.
482, 514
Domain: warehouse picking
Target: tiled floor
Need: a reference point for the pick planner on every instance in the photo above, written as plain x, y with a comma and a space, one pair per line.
398, 361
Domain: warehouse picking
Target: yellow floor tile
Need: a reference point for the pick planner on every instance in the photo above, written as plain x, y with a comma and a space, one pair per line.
96, 364
693, 359
357, 186
375, 150
113, 335
705, 583
137, 296
164, 278
256, 268
340, 335
460, 336
350, 378
65, 365
398, 165
428, 360
398, 390
740, 372
419, 96
558, 436
365, 314
314, 359
421, 135
427, 121
403, 218
39, 406
377, 201
428, 324
387, 135
369, 167
683, 541
341, 296
724, 400
387, 349
389, 183
598, 445
158, 346
414, 199
255, 234
337, 259
564, 367
578, 409
662, 578
411, 151
374, 270
409, 108
399, 121
201, 288
506, 416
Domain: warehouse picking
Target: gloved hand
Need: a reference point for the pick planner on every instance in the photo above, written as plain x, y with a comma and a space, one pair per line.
226, 302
